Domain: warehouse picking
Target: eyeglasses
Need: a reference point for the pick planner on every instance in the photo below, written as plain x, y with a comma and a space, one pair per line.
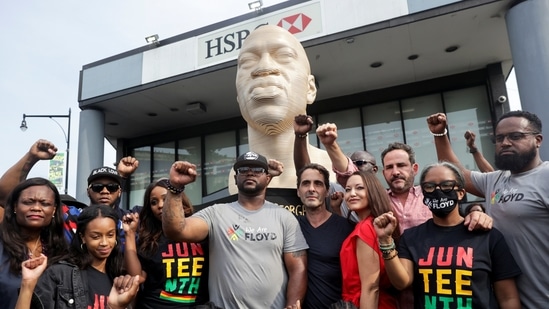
445, 186
254, 170
360, 163
513, 136
98, 187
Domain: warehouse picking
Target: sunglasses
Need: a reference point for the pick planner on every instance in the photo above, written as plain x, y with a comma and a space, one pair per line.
445, 186
254, 170
360, 163
98, 187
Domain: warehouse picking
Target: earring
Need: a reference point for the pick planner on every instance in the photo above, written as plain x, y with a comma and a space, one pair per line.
116, 243
82, 246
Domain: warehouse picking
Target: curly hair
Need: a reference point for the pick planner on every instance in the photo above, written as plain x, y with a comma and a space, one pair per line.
150, 228
78, 252
14, 238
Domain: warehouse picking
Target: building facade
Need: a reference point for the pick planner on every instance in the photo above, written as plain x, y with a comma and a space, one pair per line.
381, 68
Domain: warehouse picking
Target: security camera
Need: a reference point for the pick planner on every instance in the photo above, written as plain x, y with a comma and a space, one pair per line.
502, 99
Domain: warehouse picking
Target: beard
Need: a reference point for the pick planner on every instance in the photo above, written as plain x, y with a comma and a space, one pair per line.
515, 162
250, 190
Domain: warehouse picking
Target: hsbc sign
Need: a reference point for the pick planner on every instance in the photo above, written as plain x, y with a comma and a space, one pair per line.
223, 45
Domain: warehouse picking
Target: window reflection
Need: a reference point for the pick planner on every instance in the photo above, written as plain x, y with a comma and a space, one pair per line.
220, 155
190, 150
370, 127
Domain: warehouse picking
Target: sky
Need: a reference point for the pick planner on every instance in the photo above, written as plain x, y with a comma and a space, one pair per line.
46, 43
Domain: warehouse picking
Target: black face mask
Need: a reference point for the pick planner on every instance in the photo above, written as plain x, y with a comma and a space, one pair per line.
440, 203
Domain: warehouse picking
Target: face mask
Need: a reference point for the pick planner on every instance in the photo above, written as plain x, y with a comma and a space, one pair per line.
440, 203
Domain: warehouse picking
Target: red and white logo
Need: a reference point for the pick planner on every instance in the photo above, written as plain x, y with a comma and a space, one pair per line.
295, 23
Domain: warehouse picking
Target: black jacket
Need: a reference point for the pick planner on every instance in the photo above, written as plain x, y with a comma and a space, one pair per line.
62, 285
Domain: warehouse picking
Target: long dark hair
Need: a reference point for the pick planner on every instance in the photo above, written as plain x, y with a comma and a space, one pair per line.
377, 197
150, 228
14, 240
78, 252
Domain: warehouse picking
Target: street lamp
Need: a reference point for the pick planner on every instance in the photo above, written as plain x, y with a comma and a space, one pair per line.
24, 127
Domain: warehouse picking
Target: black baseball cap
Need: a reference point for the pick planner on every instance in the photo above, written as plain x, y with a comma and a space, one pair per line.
104, 171
251, 158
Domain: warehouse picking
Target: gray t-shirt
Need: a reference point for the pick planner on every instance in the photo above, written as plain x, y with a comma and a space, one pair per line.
246, 254
519, 205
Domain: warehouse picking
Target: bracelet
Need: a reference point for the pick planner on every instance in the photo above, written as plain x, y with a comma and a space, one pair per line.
473, 150
173, 189
387, 248
388, 258
440, 134
302, 135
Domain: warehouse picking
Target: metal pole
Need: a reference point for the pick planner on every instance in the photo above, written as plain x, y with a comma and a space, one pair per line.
67, 154
67, 139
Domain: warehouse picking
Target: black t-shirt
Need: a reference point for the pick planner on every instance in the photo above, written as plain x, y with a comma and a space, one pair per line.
99, 288
455, 268
177, 275
323, 262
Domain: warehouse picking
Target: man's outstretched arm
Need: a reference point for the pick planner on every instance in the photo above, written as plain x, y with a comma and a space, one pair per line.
174, 224
438, 126
302, 125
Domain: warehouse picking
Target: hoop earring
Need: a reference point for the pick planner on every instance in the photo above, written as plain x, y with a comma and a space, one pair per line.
116, 242
82, 246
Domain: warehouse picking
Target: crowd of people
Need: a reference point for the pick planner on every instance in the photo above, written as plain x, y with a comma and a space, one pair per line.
357, 245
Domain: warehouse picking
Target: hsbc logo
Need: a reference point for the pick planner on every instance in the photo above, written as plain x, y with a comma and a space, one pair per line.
295, 23
223, 45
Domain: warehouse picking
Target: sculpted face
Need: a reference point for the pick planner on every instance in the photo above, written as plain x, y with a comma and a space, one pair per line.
273, 80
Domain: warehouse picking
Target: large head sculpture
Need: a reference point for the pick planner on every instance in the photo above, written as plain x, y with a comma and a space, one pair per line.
273, 80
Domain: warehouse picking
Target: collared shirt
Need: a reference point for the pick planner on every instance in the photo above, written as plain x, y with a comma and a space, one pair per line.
413, 212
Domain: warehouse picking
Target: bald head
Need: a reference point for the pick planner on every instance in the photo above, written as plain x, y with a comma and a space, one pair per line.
273, 80
364, 161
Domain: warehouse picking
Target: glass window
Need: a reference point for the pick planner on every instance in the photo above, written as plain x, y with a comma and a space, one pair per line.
243, 144
141, 178
163, 158
220, 155
190, 150
467, 109
414, 113
349, 131
382, 126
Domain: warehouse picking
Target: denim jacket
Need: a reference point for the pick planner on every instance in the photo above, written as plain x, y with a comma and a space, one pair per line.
62, 285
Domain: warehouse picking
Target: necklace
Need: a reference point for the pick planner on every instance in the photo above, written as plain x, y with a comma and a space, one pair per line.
31, 252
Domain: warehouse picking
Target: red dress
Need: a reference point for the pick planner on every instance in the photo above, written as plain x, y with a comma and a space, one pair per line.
349, 267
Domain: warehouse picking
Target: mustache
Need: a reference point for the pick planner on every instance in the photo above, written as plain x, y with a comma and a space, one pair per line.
397, 177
